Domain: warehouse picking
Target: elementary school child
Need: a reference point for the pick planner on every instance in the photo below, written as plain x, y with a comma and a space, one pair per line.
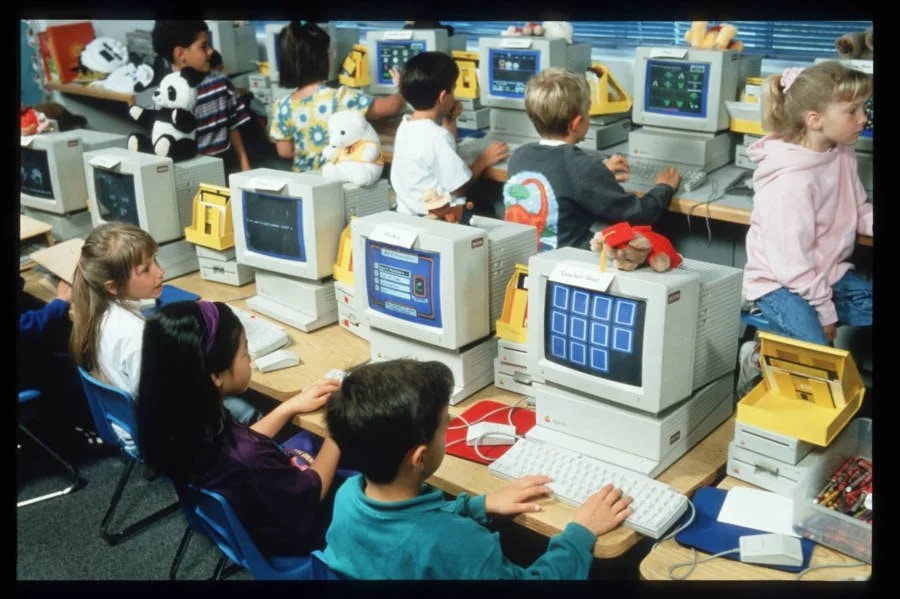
299, 123
425, 157
220, 111
808, 206
118, 268
195, 354
389, 420
562, 189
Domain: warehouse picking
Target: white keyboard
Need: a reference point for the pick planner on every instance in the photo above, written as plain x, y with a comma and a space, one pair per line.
263, 336
656, 505
643, 171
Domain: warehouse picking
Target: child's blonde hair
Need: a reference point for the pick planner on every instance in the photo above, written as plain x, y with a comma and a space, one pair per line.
555, 96
788, 96
109, 253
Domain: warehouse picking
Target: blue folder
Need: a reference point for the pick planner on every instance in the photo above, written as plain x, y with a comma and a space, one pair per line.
707, 534
169, 294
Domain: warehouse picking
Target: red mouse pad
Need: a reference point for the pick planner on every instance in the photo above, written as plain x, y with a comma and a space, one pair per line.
523, 417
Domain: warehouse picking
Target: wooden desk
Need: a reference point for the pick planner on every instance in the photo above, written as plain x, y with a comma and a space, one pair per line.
656, 565
728, 208
30, 228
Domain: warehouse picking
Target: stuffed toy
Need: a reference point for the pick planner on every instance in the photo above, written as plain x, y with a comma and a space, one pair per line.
859, 44
172, 125
353, 153
438, 207
721, 37
630, 247
548, 29
32, 122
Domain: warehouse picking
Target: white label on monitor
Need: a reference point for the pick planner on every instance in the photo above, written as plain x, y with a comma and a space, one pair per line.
266, 184
398, 35
104, 161
515, 42
668, 52
866, 66
392, 235
27, 139
578, 275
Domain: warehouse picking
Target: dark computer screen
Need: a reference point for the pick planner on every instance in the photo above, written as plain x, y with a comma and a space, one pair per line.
593, 332
274, 225
510, 70
393, 54
116, 197
404, 283
35, 173
677, 88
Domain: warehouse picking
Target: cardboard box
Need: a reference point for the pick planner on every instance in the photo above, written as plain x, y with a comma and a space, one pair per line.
808, 392
65, 44
825, 525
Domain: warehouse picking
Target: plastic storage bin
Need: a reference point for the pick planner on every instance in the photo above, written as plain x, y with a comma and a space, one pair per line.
825, 525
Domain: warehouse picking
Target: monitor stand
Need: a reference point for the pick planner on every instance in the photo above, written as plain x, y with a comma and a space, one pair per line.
706, 151
177, 258
65, 226
302, 304
472, 366
639, 441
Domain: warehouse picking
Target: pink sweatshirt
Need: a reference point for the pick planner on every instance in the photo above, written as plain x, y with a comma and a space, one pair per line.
807, 209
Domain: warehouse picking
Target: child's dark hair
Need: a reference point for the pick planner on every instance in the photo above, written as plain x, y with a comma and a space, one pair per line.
179, 409
168, 35
302, 54
384, 409
215, 60
425, 76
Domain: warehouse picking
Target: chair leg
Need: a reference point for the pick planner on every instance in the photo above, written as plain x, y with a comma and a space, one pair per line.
179, 553
115, 537
75, 484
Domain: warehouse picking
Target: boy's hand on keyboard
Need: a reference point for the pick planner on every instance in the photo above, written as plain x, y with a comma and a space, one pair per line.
604, 510
496, 152
618, 164
516, 497
313, 397
669, 176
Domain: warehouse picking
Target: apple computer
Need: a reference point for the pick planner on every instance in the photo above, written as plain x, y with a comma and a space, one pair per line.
341, 43
53, 188
154, 193
391, 49
679, 102
287, 226
236, 43
504, 67
426, 288
630, 367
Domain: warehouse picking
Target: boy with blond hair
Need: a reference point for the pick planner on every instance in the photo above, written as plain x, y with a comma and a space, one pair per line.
576, 188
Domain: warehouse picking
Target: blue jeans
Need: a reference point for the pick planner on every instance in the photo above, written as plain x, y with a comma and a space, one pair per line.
792, 316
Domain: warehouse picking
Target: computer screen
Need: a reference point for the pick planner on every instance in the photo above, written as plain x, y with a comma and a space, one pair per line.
287, 223
686, 88
51, 169
391, 49
505, 65
341, 41
642, 339
422, 279
134, 187
236, 42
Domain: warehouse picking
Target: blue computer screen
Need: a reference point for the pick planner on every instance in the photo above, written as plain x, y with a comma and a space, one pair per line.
869, 127
273, 225
404, 283
510, 70
593, 332
393, 54
35, 173
116, 197
677, 88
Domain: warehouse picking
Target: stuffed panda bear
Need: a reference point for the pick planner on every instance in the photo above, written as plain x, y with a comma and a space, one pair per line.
171, 122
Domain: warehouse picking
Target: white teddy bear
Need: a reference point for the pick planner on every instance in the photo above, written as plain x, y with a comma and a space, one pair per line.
353, 153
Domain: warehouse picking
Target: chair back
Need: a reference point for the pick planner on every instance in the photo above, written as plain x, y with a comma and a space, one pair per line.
113, 412
209, 513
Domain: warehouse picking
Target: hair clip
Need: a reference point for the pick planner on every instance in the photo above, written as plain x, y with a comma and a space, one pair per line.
789, 76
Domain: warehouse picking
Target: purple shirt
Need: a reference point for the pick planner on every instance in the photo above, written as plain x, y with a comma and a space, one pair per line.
277, 501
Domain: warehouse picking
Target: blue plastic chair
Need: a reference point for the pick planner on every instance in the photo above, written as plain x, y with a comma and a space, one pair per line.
208, 513
114, 418
76, 482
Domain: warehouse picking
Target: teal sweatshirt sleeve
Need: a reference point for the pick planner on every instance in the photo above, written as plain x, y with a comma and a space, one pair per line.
471, 507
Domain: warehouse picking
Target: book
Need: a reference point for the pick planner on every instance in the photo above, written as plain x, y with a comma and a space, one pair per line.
65, 44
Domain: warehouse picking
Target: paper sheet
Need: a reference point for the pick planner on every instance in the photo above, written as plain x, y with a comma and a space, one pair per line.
758, 509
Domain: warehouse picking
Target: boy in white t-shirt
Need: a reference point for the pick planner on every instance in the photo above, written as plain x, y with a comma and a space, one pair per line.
425, 157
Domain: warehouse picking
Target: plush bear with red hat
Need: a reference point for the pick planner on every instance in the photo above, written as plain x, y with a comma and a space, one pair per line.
631, 246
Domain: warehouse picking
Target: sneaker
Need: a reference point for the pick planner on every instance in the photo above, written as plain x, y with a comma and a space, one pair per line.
749, 373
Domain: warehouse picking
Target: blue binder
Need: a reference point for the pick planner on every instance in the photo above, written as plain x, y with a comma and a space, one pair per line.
169, 294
